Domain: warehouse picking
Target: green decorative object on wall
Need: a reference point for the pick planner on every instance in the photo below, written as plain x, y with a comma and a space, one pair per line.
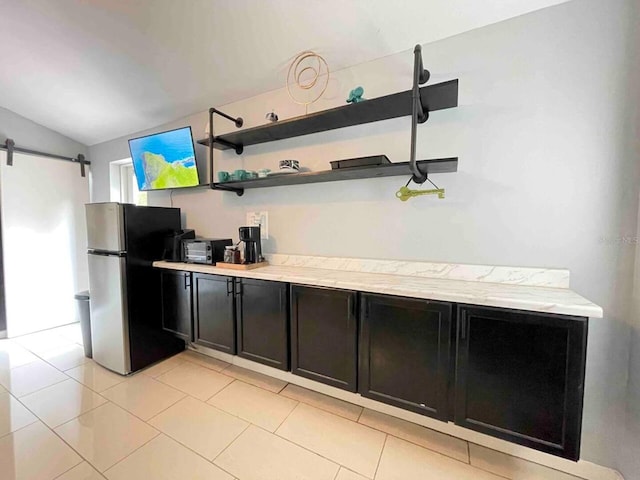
355, 95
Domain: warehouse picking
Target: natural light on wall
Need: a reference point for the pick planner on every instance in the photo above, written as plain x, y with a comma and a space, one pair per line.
123, 185
44, 241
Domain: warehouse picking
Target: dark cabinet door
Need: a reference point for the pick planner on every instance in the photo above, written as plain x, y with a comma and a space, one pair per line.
214, 312
262, 314
324, 335
405, 352
520, 377
176, 303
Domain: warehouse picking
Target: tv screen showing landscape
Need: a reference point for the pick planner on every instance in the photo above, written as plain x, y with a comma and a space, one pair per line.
164, 160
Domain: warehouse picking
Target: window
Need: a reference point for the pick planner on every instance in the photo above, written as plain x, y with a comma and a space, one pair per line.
124, 187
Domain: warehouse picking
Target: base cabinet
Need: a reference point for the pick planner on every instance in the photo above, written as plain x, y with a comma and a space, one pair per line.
511, 374
404, 352
214, 312
324, 335
176, 302
520, 377
262, 313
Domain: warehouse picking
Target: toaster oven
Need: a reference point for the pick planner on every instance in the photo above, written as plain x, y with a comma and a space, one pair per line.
204, 250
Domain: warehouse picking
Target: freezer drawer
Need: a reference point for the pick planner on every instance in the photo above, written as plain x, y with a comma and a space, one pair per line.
109, 313
105, 227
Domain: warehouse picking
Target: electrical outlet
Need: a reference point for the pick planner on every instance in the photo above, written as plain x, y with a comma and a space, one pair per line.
259, 218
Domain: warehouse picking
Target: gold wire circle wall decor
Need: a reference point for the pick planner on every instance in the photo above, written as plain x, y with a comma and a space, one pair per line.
307, 78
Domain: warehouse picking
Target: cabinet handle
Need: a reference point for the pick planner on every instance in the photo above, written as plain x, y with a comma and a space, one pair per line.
229, 286
187, 281
239, 287
352, 313
283, 301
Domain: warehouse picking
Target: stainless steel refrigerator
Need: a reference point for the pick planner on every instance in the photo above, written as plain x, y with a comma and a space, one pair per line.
126, 320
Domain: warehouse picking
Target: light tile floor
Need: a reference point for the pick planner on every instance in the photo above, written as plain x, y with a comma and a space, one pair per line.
64, 417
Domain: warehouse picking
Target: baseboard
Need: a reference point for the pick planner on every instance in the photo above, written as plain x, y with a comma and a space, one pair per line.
582, 468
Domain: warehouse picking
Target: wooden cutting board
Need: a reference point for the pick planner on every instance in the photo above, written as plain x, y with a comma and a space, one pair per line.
241, 266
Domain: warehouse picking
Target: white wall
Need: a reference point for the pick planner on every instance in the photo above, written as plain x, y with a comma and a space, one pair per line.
28, 134
630, 460
548, 174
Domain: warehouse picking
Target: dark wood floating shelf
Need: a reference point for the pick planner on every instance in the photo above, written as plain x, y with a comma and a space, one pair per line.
434, 97
441, 165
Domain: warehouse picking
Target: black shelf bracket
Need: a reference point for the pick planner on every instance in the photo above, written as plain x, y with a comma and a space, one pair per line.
238, 148
234, 146
418, 113
227, 188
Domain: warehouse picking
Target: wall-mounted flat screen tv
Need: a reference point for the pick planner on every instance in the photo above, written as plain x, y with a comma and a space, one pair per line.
165, 160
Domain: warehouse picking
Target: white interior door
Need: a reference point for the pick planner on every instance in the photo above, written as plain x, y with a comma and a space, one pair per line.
44, 241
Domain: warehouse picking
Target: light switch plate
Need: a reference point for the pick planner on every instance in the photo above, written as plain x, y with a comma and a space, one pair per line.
259, 218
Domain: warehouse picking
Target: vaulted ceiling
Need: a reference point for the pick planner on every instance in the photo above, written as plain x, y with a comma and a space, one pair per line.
94, 70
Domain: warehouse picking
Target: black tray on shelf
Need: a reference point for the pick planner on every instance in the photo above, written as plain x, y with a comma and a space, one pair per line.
370, 161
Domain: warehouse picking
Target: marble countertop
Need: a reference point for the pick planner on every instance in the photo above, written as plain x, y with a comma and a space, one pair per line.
559, 300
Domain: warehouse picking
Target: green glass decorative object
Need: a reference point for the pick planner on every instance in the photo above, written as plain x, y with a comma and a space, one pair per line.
355, 95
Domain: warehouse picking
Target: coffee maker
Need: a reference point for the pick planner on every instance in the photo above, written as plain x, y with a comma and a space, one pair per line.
252, 246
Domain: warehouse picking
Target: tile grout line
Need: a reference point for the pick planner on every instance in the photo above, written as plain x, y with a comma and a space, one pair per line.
338, 472
181, 444
63, 423
67, 471
288, 415
39, 389
199, 454
21, 428
386, 434
186, 359
384, 445
316, 453
307, 449
142, 372
326, 409
277, 392
157, 379
72, 449
135, 415
422, 446
161, 411
213, 461
527, 461
129, 454
220, 391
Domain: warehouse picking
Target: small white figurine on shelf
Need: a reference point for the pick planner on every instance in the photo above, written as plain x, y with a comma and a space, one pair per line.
271, 116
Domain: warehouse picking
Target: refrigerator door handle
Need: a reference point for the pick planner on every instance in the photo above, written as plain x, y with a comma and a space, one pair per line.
106, 253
